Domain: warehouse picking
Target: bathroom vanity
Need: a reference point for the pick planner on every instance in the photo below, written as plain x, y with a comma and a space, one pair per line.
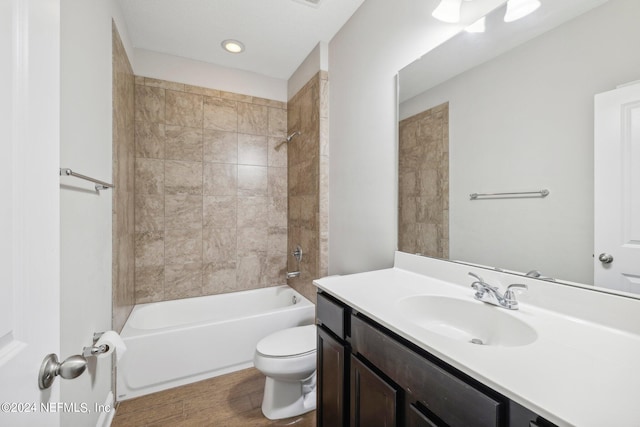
410, 346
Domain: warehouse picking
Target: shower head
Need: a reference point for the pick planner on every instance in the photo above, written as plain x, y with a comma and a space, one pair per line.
290, 137
287, 140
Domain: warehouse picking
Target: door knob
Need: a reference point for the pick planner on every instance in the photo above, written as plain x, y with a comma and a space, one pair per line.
605, 258
71, 367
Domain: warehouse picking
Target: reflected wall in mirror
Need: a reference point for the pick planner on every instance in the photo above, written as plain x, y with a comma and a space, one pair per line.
521, 118
423, 183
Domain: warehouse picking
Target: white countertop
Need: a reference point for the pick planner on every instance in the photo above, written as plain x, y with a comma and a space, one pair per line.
579, 372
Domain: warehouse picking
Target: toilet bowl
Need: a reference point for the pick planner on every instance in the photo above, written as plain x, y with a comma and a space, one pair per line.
288, 359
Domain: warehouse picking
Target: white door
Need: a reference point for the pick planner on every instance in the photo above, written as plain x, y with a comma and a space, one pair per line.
617, 189
29, 208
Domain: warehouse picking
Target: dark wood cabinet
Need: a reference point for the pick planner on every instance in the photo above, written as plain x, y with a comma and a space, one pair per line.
368, 377
331, 408
374, 400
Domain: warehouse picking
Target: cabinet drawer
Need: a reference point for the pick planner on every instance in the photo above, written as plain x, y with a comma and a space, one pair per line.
451, 399
331, 314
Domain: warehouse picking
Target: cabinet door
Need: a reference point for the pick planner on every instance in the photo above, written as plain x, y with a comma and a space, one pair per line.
332, 411
374, 401
415, 418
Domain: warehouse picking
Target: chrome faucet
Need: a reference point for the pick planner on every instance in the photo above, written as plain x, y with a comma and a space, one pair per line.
491, 294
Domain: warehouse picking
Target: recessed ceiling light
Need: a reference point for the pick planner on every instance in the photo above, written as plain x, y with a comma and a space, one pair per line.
233, 46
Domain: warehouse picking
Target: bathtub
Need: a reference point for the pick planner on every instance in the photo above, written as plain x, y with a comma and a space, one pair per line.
172, 343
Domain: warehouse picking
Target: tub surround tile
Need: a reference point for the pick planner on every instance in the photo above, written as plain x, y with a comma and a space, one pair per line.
277, 182
184, 109
220, 146
307, 176
252, 150
220, 114
149, 139
183, 177
219, 245
277, 152
219, 277
164, 84
149, 249
149, 212
183, 246
220, 179
251, 212
210, 183
150, 104
219, 211
276, 270
252, 241
183, 143
277, 212
236, 96
252, 180
182, 281
183, 211
251, 271
269, 103
253, 119
149, 284
277, 122
202, 91
149, 176
123, 218
277, 241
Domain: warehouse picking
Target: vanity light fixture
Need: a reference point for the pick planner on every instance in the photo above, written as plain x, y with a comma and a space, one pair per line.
448, 11
517, 9
478, 26
232, 46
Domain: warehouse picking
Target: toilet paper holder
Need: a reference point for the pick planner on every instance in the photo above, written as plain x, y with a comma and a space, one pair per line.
95, 350
71, 367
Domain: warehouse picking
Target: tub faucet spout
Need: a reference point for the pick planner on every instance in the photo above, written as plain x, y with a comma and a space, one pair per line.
292, 274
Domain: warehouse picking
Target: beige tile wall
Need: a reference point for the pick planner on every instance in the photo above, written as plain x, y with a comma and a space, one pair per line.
123, 175
210, 191
423, 196
308, 113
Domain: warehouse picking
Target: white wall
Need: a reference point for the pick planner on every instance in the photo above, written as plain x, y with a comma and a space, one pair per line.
317, 60
85, 228
176, 69
524, 121
379, 39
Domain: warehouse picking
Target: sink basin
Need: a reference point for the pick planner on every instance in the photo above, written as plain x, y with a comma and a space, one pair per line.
468, 321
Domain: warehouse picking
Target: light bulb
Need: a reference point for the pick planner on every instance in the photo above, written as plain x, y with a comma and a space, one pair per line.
517, 9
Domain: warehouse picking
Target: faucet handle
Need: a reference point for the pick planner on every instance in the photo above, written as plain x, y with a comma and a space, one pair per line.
510, 295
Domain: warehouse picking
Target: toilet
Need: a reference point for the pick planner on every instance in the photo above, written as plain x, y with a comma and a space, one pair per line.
288, 359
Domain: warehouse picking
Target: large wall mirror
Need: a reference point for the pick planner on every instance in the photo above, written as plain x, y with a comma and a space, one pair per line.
512, 110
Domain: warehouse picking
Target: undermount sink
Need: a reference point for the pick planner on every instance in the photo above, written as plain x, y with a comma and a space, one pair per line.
469, 321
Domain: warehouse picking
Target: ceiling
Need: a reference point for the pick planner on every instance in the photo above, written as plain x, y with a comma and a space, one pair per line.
278, 34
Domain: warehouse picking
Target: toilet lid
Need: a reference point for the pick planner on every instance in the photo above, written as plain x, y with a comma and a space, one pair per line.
289, 342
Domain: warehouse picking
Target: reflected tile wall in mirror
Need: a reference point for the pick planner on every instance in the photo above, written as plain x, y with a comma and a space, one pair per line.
423, 187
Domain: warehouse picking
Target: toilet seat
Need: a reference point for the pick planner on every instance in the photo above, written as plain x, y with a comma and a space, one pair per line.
291, 342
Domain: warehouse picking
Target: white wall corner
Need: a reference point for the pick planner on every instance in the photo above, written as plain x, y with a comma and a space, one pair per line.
317, 60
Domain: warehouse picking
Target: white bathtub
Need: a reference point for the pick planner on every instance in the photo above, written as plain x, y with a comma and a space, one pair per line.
172, 343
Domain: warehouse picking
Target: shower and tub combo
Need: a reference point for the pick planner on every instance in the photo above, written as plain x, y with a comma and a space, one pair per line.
173, 343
